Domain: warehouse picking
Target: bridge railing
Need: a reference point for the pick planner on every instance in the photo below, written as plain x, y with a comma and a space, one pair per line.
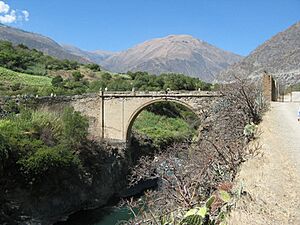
114, 94
158, 93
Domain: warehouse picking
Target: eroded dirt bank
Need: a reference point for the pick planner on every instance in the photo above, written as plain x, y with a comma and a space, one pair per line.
272, 179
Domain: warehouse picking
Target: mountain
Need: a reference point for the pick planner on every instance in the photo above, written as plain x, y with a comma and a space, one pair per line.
279, 56
37, 41
175, 53
96, 56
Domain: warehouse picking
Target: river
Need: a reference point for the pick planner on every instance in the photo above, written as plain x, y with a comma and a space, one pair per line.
109, 215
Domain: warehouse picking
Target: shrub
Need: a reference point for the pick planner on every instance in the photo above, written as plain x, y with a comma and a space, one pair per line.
77, 75
94, 67
57, 81
47, 159
161, 129
4, 153
75, 128
33, 143
106, 76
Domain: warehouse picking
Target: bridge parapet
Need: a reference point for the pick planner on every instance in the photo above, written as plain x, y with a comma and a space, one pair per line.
121, 94
162, 94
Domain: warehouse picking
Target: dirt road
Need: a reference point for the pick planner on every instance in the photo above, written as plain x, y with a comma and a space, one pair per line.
272, 180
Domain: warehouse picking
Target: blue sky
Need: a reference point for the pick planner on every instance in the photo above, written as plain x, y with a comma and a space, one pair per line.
234, 25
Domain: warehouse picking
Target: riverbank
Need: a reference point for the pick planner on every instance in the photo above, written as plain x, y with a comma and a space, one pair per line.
271, 180
63, 193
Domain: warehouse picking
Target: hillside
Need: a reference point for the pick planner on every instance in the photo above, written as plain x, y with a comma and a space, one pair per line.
20, 83
172, 54
175, 53
279, 56
95, 56
37, 41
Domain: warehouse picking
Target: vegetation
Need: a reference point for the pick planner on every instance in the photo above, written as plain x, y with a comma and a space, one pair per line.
22, 59
64, 77
291, 88
163, 130
14, 83
94, 67
13, 78
37, 143
195, 181
165, 123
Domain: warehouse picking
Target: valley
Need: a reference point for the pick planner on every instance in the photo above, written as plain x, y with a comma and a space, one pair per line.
164, 132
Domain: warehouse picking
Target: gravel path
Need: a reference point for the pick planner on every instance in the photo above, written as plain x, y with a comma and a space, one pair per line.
272, 180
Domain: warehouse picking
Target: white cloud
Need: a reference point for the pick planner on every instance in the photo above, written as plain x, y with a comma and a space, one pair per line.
26, 15
10, 16
4, 8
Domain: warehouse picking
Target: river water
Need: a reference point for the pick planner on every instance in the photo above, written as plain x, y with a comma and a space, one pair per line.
103, 216
110, 215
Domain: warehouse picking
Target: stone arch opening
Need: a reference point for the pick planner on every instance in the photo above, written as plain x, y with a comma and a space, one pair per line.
144, 106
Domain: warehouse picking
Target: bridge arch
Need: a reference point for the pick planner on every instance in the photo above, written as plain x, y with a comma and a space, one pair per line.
136, 113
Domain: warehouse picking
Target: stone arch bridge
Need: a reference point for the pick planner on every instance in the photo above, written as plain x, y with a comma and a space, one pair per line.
112, 114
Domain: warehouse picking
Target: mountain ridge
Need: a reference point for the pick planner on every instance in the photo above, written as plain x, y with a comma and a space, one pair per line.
279, 56
37, 41
173, 54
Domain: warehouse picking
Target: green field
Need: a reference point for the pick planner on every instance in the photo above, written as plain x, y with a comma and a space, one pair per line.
162, 129
13, 83
10, 77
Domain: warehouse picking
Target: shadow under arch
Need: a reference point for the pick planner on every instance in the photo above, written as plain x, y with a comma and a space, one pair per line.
141, 108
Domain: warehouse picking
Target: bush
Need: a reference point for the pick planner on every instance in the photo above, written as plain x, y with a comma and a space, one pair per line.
75, 128
106, 76
161, 129
22, 59
38, 142
47, 159
94, 67
57, 81
4, 153
77, 76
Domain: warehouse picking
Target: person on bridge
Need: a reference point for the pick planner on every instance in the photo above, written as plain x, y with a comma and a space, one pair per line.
299, 114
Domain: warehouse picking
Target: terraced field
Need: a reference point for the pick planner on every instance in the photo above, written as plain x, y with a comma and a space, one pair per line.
9, 77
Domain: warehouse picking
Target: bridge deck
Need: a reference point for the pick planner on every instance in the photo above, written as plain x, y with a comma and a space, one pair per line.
122, 94
162, 94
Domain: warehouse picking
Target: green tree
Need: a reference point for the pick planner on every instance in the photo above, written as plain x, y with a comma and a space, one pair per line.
94, 67
57, 81
75, 128
77, 75
106, 76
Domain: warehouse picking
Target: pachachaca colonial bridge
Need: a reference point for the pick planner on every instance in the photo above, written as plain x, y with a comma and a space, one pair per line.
112, 114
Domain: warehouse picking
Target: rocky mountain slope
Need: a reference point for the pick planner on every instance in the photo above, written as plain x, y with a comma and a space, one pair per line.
96, 56
37, 41
174, 53
279, 56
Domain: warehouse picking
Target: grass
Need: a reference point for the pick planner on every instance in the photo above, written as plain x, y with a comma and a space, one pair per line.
162, 129
10, 77
14, 83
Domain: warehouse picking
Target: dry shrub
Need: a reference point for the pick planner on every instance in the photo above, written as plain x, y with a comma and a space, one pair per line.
189, 173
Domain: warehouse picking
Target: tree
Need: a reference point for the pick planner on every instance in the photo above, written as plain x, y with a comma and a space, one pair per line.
106, 76
75, 128
94, 67
57, 81
77, 75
